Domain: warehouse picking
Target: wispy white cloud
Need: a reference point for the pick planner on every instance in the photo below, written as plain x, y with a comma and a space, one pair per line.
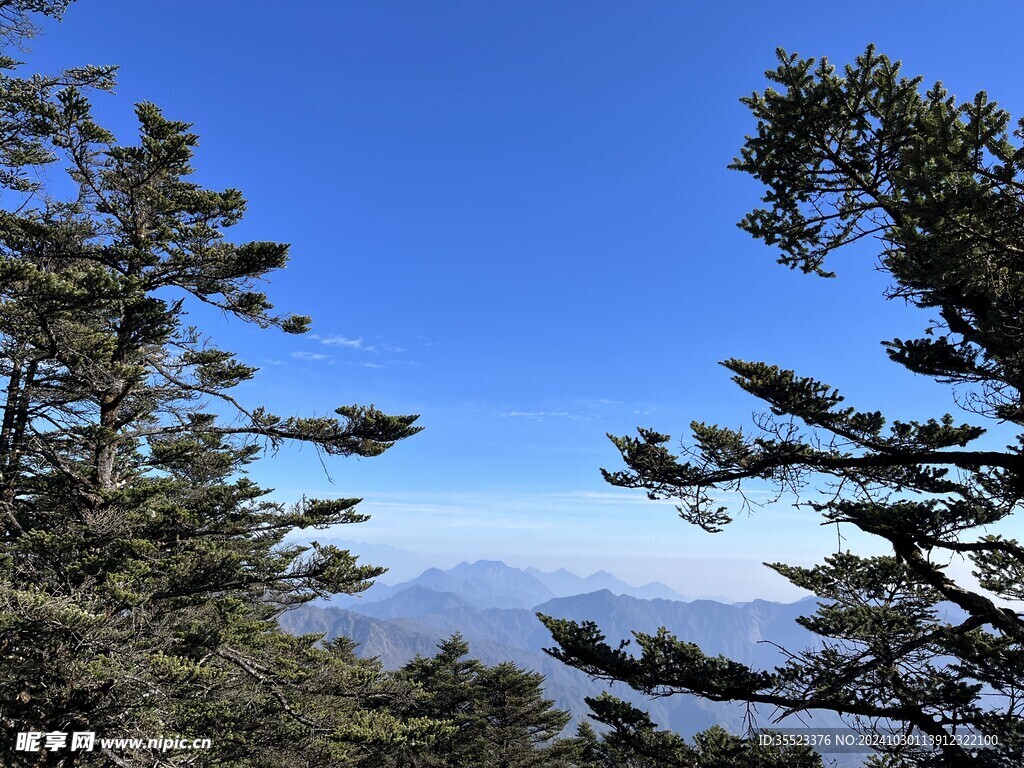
540, 415
340, 341
372, 365
577, 409
350, 343
310, 356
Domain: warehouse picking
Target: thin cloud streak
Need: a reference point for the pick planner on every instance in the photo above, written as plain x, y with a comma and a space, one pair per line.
342, 341
541, 415
338, 340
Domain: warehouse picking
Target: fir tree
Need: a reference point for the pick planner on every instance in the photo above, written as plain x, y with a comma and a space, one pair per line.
141, 570
866, 155
497, 716
519, 725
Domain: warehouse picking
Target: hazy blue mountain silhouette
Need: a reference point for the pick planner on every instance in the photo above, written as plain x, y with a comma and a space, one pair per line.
565, 584
484, 584
493, 584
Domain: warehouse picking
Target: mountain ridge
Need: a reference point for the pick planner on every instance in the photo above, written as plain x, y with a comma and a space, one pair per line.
494, 584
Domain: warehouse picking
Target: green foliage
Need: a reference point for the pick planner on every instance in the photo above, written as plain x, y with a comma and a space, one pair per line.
850, 157
497, 716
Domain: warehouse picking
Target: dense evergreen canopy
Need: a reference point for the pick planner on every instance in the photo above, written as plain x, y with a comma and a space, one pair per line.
858, 156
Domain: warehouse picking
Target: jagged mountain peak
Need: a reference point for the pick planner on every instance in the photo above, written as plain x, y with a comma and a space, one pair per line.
565, 583
495, 584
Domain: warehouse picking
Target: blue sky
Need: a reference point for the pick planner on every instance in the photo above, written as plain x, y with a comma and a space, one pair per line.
516, 220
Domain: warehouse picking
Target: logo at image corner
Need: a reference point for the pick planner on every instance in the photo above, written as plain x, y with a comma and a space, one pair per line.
54, 741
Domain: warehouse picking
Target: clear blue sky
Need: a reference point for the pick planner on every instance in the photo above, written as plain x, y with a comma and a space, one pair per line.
516, 219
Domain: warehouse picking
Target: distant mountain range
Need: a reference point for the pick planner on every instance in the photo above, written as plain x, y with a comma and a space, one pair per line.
492, 584
494, 607
565, 584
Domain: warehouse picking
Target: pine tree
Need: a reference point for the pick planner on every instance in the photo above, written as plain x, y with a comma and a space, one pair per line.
446, 686
852, 157
632, 739
585, 750
141, 570
520, 726
497, 716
